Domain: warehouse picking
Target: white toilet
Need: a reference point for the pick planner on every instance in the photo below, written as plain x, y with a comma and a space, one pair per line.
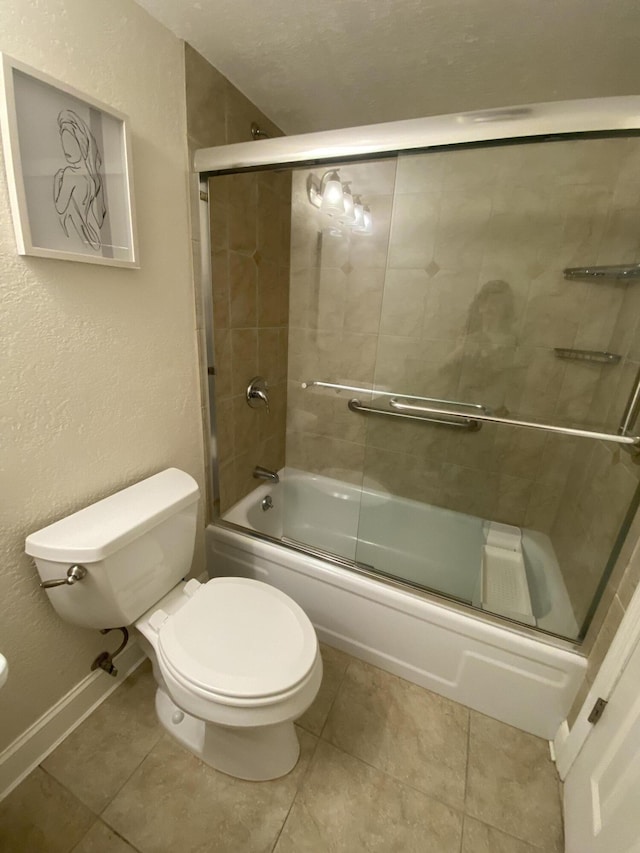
236, 660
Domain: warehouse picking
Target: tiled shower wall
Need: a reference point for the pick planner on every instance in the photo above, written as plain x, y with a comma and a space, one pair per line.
250, 229
459, 293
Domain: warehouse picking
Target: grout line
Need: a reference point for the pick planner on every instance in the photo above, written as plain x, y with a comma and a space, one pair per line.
136, 768
466, 772
333, 701
502, 831
298, 789
397, 779
66, 788
124, 838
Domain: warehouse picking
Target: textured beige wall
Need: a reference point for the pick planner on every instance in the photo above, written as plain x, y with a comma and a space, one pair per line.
315, 66
250, 231
98, 376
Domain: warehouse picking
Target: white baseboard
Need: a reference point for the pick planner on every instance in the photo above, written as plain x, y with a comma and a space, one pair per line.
32, 747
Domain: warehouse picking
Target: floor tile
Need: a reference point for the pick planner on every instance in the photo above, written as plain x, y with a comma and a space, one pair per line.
334, 665
40, 816
412, 734
174, 802
479, 838
345, 806
101, 839
512, 783
100, 755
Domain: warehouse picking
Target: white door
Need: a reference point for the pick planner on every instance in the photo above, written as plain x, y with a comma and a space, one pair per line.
602, 788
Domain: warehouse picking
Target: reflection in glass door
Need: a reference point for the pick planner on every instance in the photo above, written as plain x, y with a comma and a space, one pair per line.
341, 219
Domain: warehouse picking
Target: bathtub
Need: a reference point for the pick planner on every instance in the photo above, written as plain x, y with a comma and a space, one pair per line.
522, 678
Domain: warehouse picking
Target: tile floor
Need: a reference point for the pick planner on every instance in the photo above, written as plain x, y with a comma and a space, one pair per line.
385, 766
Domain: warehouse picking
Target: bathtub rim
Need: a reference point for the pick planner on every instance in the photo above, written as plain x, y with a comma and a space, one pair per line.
436, 599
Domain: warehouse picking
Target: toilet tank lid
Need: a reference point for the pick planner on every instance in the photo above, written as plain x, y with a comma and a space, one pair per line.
95, 532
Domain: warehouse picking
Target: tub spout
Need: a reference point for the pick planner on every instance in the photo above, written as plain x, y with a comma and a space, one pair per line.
261, 473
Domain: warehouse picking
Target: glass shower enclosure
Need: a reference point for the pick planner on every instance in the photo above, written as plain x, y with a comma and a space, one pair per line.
448, 336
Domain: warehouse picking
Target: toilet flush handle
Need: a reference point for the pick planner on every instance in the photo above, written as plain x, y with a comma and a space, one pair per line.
74, 574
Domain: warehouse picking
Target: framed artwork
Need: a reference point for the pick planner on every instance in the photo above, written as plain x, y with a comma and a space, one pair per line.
68, 163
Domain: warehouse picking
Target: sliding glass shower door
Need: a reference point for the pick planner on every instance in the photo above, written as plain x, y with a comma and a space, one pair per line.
481, 479
449, 339
338, 269
449, 381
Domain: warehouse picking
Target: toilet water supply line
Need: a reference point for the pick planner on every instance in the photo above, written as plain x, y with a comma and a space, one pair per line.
104, 660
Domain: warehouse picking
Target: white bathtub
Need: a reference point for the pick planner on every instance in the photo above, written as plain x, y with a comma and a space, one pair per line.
524, 680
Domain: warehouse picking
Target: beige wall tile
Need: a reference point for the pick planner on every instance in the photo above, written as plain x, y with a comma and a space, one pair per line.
448, 296
413, 233
333, 246
534, 383
512, 499
403, 302
341, 460
222, 362
224, 428
269, 294
221, 290
420, 173
244, 358
269, 222
370, 251
243, 292
402, 474
363, 301
327, 299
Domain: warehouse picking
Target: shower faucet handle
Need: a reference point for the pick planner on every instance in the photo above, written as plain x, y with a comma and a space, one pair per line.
257, 393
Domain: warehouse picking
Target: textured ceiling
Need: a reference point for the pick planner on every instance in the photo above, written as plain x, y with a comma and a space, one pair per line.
313, 65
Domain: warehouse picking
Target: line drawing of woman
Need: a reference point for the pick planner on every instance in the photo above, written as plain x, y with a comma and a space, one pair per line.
78, 188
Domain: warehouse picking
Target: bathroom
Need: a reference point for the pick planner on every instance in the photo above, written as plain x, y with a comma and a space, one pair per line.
103, 386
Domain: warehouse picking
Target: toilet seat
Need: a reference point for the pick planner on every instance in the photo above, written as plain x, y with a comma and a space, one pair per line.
234, 642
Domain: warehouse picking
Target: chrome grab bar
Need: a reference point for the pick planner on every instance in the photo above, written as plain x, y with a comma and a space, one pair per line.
633, 441
316, 383
456, 420
620, 271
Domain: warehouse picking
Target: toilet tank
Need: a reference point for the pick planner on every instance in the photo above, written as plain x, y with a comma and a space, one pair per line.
136, 545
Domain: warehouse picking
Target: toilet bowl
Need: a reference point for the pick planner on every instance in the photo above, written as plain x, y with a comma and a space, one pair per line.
236, 660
